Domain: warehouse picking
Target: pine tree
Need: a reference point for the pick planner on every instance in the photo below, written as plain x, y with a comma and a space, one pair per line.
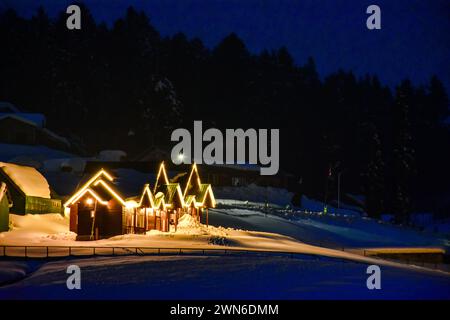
404, 153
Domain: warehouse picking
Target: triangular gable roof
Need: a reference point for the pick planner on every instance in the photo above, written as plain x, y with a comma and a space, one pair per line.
204, 193
162, 177
194, 178
195, 187
172, 192
159, 201
155, 202
94, 181
102, 191
190, 200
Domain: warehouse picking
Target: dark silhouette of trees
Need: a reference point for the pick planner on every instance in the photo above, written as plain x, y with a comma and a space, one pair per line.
127, 87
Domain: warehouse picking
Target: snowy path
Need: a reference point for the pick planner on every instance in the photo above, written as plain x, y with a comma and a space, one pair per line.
195, 277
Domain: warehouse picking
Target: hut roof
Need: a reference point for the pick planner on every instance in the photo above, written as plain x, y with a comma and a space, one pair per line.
27, 179
195, 188
100, 187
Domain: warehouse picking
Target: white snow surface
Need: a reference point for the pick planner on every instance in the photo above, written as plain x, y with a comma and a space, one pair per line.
318, 272
255, 193
28, 179
2, 190
30, 154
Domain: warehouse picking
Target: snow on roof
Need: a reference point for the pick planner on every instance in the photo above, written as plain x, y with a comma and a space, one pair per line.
57, 137
8, 107
2, 190
28, 179
34, 119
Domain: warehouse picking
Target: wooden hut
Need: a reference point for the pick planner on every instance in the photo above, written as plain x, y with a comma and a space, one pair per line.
29, 190
147, 214
96, 209
198, 196
174, 205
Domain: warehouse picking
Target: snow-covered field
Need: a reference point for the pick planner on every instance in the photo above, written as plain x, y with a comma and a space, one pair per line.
317, 272
219, 277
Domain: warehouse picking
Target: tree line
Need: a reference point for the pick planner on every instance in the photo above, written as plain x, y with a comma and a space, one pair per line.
126, 87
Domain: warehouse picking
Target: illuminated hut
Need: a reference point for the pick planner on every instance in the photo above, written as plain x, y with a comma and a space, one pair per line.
198, 196
96, 209
147, 214
173, 197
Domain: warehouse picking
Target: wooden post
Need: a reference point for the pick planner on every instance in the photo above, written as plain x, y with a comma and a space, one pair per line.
134, 221
146, 219
176, 218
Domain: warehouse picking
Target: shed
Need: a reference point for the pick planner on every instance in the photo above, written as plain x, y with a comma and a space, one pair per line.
96, 209
29, 190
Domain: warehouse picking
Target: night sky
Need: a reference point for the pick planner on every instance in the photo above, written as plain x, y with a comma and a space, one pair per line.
414, 41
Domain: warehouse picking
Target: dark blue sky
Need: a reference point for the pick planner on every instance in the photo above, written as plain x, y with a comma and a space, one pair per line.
414, 41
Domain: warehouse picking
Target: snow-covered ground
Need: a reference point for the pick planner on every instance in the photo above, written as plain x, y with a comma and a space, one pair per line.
314, 272
219, 277
331, 230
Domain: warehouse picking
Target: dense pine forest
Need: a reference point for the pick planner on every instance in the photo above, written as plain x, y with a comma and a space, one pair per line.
126, 87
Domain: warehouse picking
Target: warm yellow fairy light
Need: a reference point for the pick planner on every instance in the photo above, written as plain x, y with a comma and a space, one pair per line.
89, 201
150, 195
131, 204
92, 193
87, 184
200, 203
115, 195
194, 168
162, 170
180, 194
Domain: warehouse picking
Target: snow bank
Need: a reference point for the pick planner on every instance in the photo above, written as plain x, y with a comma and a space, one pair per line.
57, 165
45, 223
255, 193
28, 179
32, 153
188, 225
11, 271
